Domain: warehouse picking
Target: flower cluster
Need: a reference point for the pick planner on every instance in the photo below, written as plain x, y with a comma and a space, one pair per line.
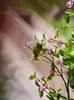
57, 56
60, 57
70, 3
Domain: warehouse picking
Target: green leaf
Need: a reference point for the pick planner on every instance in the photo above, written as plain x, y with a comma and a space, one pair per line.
37, 84
66, 61
44, 36
41, 93
71, 72
39, 46
65, 19
49, 78
71, 76
58, 96
50, 97
57, 34
72, 35
34, 58
71, 99
61, 52
54, 91
59, 90
72, 84
70, 12
53, 66
33, 76
55, 53
63, 97
43, 79
44, 50
35, 38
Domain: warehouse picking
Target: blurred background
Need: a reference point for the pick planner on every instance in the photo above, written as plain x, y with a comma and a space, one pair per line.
20, 20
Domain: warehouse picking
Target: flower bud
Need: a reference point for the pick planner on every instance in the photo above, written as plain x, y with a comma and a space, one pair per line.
59, 42
58, 62
42, 88
26, 45
49, 51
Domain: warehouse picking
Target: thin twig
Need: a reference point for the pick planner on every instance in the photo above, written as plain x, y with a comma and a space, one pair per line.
66, 85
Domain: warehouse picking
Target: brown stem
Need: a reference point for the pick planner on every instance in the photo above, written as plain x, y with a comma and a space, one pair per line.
66, 84
48, 58
68, 92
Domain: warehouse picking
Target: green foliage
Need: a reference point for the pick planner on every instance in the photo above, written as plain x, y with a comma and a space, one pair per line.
49, 78
68, 61
37, 84
65, 19
71, 76
36, 50
53, 66
71, 99
33, 76
44, 79
41, 93
70, 12
55, 95
44, 36
57, 34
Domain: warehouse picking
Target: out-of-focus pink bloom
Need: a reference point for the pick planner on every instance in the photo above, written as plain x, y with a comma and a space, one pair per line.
50, 38
65, 71
26, 45
43, 84
72, 1
69, 4
59, 42
58, 62
49, 51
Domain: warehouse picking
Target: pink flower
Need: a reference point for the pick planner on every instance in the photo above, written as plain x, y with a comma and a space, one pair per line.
50, 38
42, 88
49, 51
26, 45
43, 84
72, 1
69, 4
59, 42
58, 62
65, 71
